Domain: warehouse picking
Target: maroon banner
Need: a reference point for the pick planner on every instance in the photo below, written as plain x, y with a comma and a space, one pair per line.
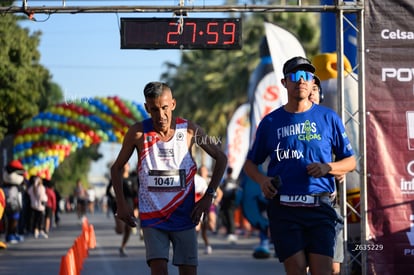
389, 89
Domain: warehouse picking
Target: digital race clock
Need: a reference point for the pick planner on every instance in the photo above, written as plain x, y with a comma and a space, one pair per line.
191, 33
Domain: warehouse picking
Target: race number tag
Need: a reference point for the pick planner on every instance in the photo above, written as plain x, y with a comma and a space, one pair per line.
166, 180
299, 200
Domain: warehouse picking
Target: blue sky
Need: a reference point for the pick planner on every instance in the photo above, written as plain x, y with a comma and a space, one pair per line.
82, 53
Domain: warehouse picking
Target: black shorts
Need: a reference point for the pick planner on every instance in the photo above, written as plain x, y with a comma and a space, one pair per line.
48, 212
311, 229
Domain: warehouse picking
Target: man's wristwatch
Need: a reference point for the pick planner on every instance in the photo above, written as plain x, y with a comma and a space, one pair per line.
211, 191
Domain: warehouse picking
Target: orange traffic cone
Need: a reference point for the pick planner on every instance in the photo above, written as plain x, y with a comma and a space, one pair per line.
79, 252
85, 224
64, 265
67, 264
85, 235
92, 237
84, 246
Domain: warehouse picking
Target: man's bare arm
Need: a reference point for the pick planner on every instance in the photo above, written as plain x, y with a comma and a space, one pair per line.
130, 142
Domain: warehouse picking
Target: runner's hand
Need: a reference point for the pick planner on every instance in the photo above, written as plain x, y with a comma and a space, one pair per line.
318, 170
125, 214
201, 207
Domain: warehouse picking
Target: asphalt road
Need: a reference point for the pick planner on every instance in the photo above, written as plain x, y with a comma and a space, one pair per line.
44, 256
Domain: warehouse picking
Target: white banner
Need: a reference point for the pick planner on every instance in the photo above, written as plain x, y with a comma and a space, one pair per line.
283, 45
238, 132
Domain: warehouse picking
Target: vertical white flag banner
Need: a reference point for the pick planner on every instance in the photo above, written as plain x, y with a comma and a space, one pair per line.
238, 132
283, 45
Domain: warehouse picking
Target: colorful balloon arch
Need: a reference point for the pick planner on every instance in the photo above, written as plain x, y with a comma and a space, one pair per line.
47, 139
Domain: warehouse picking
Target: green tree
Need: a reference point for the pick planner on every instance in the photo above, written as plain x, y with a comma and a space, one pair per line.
76, 166
25, 85
26, 89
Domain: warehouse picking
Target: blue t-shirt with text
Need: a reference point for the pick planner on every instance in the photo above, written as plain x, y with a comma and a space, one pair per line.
291, 141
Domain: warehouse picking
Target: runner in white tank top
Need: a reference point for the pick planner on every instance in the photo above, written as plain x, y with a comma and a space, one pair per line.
166, 171
166, 174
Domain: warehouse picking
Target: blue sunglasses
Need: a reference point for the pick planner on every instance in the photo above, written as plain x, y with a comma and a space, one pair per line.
295, 77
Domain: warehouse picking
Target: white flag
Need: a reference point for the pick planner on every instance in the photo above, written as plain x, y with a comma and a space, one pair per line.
283, 46
238, 132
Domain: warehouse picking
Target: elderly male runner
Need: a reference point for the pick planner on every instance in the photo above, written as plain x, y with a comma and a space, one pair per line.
166, 169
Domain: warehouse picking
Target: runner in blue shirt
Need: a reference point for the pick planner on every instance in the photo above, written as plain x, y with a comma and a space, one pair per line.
304, 146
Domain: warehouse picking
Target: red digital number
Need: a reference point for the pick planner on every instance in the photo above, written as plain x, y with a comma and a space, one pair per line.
170, 34
214, 34
229, 29
194, 31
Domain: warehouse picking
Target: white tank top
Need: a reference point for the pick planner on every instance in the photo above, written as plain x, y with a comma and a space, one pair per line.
166, 175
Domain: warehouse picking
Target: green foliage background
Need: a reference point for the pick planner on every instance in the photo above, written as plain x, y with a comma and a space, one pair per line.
26, 89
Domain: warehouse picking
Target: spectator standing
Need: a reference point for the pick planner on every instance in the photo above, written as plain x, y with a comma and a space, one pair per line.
38, 200
81, 197
50, 205
91, 199
13, 180
228, 205
25, 224
209, 221
58, 205
130, 193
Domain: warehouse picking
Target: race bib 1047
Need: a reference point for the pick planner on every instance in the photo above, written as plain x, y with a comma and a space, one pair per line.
166, 180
